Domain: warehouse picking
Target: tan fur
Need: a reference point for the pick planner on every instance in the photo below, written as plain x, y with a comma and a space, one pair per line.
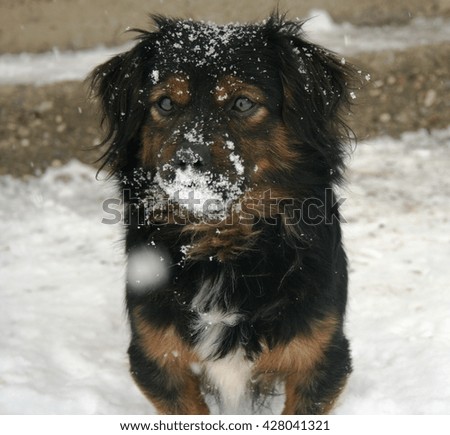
166, 347
284, 154
298, 403
223, 241
152, 141
296, 363
303, 352
258, 117
176, 87
230, 87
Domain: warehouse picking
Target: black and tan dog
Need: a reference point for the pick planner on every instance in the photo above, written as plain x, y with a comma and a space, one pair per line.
227, 141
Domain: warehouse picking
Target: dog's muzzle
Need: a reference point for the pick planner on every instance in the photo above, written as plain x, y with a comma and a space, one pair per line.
196, 155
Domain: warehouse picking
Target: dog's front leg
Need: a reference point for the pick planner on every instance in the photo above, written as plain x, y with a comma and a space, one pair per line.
302, 397
315, 365
163, 366
315, 388
170, 385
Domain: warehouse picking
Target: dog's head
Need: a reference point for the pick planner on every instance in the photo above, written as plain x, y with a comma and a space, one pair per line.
225, 109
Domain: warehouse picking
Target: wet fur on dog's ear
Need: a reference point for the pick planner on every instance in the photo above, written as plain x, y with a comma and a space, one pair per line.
121, 85
316, 89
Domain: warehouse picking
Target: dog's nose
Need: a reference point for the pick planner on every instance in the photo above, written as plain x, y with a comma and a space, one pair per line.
196, 155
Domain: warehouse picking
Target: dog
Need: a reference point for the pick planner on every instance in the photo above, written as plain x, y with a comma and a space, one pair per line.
227, 142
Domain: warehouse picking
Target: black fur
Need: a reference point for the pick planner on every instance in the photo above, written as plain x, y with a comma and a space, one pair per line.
285, 277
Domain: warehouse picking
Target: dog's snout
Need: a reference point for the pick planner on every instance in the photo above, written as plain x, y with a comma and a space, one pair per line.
196, 155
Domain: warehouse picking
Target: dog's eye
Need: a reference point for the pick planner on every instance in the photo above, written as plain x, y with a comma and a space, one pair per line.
243, 104
165, 104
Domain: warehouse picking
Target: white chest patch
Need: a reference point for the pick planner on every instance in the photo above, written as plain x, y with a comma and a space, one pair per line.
230, 376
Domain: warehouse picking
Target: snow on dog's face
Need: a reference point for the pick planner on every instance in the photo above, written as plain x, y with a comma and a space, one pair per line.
216, 115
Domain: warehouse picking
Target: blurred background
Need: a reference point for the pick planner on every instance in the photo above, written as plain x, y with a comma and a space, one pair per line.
403, 45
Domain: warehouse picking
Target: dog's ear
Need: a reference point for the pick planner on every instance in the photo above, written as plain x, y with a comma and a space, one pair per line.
316, 88
121, 84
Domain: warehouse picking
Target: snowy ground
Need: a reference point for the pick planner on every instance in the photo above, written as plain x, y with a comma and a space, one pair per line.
64, 332
398, 240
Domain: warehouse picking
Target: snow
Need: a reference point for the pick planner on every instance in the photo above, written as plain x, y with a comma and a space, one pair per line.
147, 268
344, 38
155, 77
204, 194
54, 66
348, 39
398, 238
62, 275
237, 163
62, 316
